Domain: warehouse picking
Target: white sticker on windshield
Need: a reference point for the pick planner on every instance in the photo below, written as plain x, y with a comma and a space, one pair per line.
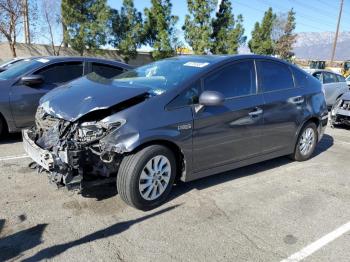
43, 60
196, 64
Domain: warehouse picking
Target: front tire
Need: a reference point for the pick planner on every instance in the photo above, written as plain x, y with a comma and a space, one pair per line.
306, 142
145, 178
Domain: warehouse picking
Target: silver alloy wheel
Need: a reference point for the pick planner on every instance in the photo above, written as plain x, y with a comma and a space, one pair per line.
155, 177
307, 141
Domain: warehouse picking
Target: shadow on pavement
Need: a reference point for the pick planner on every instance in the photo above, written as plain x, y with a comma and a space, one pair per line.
13, 245
326, 142
115, 229
100, 192
11, 138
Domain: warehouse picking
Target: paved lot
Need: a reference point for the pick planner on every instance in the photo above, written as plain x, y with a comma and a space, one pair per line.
264, 212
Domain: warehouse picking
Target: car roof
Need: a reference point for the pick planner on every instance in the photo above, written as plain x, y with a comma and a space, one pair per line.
325, 70
79, 58
214, 59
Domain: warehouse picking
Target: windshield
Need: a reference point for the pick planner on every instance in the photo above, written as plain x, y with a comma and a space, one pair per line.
19, 69
160, 76
348, 78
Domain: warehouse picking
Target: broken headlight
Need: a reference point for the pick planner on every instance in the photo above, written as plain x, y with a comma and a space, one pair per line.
93, 131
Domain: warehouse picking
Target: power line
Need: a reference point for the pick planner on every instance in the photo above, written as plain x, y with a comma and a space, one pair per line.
337, 31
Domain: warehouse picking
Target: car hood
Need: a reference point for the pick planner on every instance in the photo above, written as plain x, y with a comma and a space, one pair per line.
87, 94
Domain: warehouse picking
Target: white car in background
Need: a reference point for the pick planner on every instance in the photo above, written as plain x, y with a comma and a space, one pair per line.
334, 85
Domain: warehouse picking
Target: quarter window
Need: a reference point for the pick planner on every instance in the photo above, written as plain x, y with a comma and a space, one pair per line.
274, 76
341, 78
329, 78
187, 97
106, 71
61, 72
234, 80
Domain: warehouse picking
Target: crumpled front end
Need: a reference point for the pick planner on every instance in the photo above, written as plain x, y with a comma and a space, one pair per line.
340, 113
74, 153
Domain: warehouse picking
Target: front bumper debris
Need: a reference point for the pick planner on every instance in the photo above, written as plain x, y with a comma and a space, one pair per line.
340, 113
72, 169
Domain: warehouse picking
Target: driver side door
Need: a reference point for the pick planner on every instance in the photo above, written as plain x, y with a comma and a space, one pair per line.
24, 99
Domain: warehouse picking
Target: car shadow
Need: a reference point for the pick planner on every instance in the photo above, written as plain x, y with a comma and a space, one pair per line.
14, 245
53, 251
101, 192
11, 138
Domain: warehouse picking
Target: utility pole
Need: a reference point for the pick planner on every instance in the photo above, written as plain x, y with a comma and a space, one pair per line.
26, 22
337, 31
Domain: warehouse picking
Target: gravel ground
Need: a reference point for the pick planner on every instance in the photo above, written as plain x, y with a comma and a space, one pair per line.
263, 212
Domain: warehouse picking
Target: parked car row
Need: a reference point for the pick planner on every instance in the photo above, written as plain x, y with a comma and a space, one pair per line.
179, 118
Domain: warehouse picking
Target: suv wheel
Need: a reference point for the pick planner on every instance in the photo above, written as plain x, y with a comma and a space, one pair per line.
145, 178
306, 144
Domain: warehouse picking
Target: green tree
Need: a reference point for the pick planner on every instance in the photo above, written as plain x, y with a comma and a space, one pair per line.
284, 43
197, 27
159, 29
127, 30
85, 21
261, 41
228, 33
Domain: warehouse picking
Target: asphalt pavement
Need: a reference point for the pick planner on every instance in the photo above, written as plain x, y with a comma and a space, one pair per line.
269, 211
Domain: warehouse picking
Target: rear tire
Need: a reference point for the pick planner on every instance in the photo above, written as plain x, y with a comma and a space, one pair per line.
306, 143
145, 178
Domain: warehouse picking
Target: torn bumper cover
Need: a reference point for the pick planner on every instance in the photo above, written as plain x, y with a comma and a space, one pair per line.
340, 113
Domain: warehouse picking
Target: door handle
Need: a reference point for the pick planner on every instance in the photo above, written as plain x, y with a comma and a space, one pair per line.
298, 100
257, 111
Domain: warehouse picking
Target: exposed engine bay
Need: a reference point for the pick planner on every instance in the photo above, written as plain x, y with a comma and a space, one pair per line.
340, 113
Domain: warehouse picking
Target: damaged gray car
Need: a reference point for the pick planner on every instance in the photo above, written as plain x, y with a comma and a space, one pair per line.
181, 118
340, 113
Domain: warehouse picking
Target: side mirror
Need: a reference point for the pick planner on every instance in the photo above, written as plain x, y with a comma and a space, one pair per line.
211, 98
32, 80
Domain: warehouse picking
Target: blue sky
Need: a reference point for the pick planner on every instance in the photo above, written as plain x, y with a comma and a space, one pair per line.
311, 15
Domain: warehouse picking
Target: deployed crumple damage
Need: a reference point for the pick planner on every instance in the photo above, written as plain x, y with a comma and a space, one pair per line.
340, 113
88, 139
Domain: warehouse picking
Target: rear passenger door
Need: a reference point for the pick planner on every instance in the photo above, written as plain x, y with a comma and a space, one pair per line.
105, 70
283, 106
231, 132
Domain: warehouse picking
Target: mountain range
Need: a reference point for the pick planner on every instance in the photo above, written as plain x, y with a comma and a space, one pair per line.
318, 46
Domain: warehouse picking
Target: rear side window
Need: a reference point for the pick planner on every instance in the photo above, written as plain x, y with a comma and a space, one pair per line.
329, 78
106, 71
61, 72
234, 80
274, 76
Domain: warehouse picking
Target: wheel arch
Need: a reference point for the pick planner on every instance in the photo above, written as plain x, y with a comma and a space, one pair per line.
175, 148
